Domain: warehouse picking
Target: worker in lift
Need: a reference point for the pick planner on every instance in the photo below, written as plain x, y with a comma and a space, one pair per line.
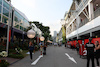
90, 52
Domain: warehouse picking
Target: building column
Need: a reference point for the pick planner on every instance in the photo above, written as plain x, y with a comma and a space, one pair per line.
12, 35
76, 4
72, 27
78, 21
90, 34
22, 38
91, 11
2, 11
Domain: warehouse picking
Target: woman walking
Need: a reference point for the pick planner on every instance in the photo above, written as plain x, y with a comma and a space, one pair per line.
45, 46
31, 48
41, 48
97, 52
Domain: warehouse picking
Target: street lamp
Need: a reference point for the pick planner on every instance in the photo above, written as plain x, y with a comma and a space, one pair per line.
31, 34
8, 27
42, 38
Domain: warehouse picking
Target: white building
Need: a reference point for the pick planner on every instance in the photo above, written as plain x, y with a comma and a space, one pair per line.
83, 19
55, 33
59, 38
54, 36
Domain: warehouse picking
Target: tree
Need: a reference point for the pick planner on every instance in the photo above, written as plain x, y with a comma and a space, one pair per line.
45, 29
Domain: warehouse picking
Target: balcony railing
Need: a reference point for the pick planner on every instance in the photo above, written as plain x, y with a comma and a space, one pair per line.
96, 13
83, 22
72, 17
80, 7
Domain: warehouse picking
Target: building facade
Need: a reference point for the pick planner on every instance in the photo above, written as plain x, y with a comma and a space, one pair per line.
59, 38
54, 36
82, 20
18, 22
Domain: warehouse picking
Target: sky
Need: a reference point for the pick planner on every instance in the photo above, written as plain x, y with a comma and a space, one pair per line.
47, 12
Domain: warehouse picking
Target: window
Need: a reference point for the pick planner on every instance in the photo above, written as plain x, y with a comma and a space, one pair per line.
21, 28
0, 8
4, 19
16, 26
1, 2
25, 29
15, 19
0, 17
5, 4
18, 15
5, 12
26, 23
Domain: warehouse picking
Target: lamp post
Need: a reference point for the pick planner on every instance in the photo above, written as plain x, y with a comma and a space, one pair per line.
31, 34
8, 27
42, 39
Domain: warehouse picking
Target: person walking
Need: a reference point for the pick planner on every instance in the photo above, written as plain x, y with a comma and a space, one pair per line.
97, 52
77, 47
41, 48
45, 46
90, 52
31, 48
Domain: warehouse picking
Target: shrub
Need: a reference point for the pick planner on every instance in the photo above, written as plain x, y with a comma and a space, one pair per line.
16, 44
11, 45
15, 55
36, 47
12, 51
3, 54
4, 63
18, 50
24, 46
2, 47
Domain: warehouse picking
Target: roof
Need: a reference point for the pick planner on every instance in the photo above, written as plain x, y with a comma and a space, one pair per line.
21, 14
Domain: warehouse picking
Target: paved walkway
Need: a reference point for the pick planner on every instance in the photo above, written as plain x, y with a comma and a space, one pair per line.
55, 58
10, 60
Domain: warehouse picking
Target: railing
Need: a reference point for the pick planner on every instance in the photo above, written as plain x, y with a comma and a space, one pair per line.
80, 7
72, 17
96, 13
83, 22
78, 10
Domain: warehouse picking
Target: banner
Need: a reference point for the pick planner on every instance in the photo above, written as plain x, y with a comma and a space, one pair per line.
64, 34
9, 35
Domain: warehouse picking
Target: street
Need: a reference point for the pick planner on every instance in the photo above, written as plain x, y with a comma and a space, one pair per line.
55, 57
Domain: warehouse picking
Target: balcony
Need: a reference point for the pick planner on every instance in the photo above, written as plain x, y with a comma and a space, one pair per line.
96, 13
72, 17
82, 5
78, 10
86, 28
83, 22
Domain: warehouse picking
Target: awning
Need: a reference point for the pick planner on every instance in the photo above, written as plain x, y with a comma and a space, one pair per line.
49, 41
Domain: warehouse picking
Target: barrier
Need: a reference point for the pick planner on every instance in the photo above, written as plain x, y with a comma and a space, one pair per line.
82, 49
